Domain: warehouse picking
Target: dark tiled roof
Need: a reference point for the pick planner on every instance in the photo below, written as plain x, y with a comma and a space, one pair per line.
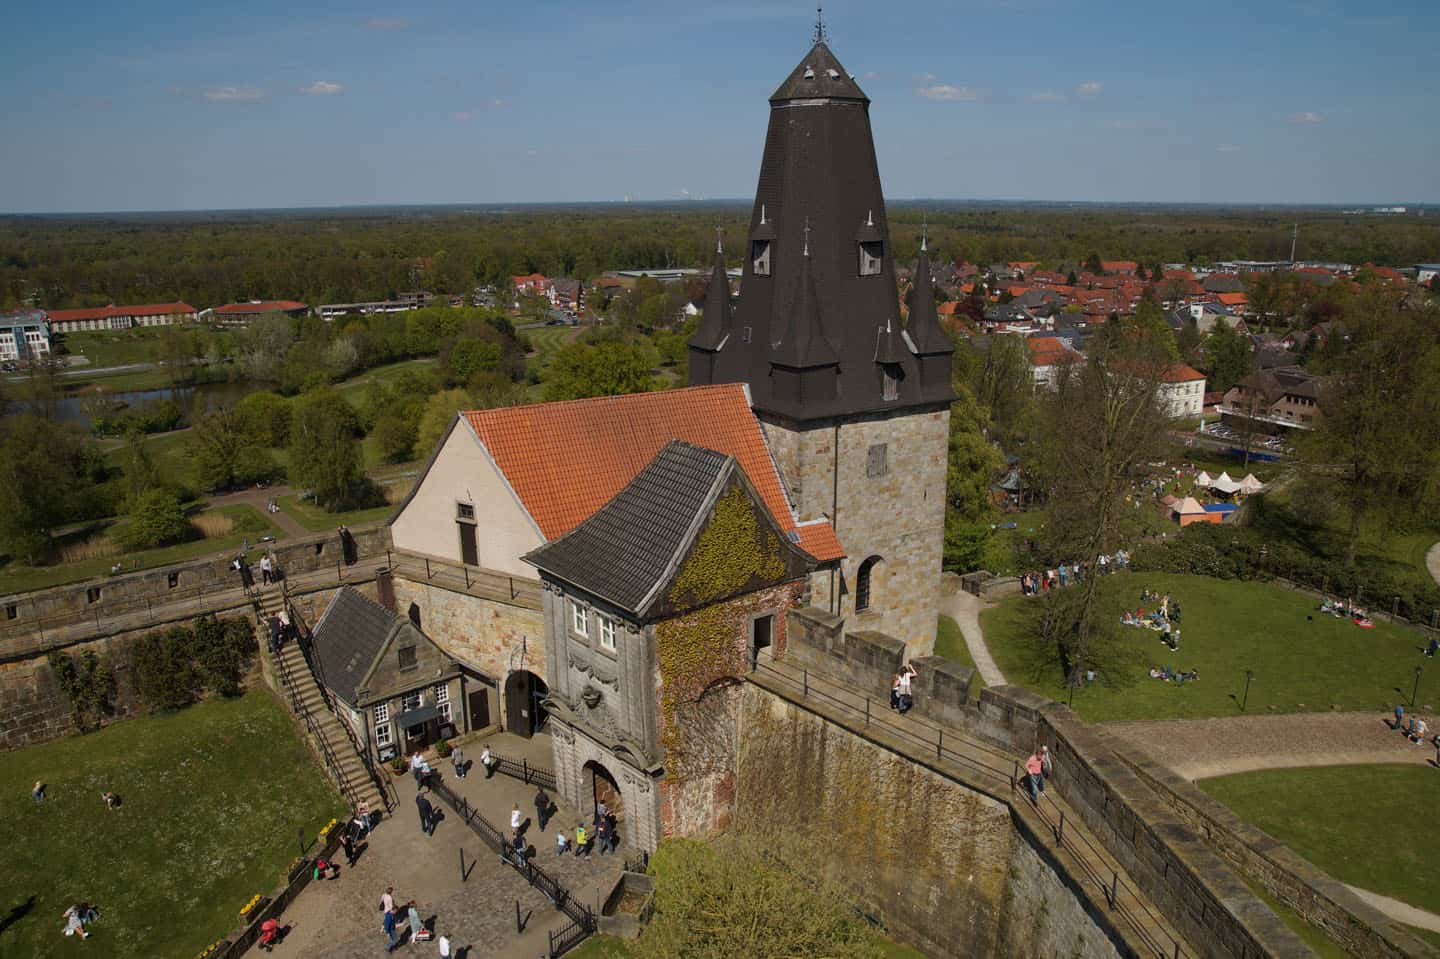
819, 186
714, 326
819, 75
923, 326
351, 633
632, 543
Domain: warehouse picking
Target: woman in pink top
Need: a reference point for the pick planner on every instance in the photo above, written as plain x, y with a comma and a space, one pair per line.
1034, 769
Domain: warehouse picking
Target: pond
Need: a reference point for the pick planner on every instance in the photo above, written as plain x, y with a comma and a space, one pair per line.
76, 407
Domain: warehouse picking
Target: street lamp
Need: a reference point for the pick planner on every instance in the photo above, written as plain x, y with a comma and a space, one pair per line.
1249, 675
1416, 688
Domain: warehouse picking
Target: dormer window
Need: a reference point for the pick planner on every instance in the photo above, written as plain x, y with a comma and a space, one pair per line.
871, 253
760, 257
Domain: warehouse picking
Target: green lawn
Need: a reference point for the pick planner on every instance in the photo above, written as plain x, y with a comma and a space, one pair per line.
312, 517
353, 389
950, 643
250, 524
212, 798
1365, 825
1228, 627
1004, 553
609, 947
114, 348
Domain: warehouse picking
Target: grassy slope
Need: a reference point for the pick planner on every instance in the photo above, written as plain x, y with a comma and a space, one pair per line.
312, 517
1365, 825
950, 643
250, 524
200, 830
1228, 627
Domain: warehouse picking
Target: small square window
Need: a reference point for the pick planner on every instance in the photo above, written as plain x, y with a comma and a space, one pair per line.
877, 462
580, 617
407, 658
607, 633
172, 580
12, 611
890, 388
92, 595
465, 511
319, 548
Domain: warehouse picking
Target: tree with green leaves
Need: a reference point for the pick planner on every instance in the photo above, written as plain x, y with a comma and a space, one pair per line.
1093, 264
580, 370
325, 455
47, 473
1376, 444
1228, 356
439, 413
88, 684
264, 418
137, 466
155, 519
972, 465
395, 436
223, 453
1096, 429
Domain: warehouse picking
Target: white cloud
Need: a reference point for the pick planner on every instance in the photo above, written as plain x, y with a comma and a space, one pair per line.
233, 94
1089, 88
1308, 116
944, 91
387, 23
322, 88
1046, 96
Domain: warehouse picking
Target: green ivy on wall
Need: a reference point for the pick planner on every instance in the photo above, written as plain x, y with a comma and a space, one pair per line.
734, 550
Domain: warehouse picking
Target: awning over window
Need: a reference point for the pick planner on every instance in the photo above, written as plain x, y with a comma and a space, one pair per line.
417, 717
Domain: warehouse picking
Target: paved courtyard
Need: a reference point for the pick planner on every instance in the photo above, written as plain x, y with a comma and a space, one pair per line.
340, 919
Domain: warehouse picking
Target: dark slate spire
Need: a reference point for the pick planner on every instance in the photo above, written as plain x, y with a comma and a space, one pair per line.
838, 306
803, 345
714, 328
924, 332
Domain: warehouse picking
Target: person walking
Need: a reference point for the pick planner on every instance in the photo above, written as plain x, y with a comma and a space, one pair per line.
444, 947
458, 758
1046, 765
542, 808
907, 698
602, 835
1034, 777
1399, 716
417, 766
347, 843
388, 924
562, 842
487, 761
601, 811
412, 917
267, 569
582, 841
518, 844
427, 814
515, 818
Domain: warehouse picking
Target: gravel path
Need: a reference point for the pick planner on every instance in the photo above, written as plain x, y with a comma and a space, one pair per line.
1201, 748
965, 609
1397, 910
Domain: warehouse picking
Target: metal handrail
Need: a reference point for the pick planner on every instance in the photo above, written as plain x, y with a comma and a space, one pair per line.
1112, 888
306, 639
331, 761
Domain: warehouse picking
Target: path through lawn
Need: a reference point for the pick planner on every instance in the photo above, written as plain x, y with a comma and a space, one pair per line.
212, 798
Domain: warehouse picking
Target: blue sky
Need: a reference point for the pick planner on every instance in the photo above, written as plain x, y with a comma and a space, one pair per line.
184, 105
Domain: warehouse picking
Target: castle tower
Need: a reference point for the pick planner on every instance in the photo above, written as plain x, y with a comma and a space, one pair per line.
855, 404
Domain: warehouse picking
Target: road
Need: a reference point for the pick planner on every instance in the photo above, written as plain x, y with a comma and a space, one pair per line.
92, 371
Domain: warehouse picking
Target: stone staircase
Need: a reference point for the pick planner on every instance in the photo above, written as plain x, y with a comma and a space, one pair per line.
296, 684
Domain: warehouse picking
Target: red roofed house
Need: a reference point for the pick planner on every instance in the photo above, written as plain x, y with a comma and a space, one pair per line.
243, 314
1046, 355
1125, 267
1236, 301
114, 317
1182, 390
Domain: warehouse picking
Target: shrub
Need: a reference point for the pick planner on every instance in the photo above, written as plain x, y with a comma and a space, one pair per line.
170, 670
443, 748
89, 685
156, 520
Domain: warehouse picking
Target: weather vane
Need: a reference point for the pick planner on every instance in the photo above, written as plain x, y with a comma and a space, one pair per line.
820, 34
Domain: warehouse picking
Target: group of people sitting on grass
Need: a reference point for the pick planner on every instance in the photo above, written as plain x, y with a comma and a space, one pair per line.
1160, 618
1343, 609
1165, 674
1415, 730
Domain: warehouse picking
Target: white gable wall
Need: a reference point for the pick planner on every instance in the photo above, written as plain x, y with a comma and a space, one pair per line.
464, 473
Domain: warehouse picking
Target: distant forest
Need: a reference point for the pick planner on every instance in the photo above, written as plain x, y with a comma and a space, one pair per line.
326, 256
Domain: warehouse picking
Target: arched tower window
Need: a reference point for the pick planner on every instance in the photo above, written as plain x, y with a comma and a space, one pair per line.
863, 593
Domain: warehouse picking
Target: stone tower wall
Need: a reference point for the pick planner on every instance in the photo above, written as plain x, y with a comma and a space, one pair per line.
899, 516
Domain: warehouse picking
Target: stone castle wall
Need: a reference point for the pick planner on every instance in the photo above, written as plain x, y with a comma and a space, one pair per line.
942, 865
898, 515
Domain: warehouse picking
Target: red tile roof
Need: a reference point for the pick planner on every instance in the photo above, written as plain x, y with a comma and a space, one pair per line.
1045, 350
1180, 373
105, 312
1119, 266
262, 306
565, 460
1232, 299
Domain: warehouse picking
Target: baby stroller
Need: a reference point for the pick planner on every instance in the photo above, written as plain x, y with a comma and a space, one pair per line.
269, 934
